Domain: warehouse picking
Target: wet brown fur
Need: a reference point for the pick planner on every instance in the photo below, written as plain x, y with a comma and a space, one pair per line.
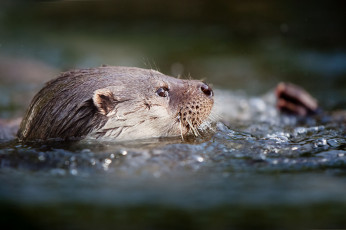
65, 107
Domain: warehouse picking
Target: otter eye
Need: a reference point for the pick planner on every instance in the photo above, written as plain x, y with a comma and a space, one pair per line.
162, 92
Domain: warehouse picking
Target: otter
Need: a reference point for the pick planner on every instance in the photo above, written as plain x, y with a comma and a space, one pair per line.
116, 103
127, 103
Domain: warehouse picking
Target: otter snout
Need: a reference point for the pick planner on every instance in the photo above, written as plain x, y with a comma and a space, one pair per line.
195, 101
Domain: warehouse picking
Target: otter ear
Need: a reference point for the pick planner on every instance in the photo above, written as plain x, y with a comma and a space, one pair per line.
104, 100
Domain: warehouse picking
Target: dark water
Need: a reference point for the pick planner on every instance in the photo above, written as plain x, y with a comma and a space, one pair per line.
281, 176
259, 173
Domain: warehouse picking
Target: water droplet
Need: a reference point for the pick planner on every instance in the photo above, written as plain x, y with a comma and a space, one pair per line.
92, 161
74, 172
320, 143
200, 159
41, 157
106, 164
86, 151
299, 131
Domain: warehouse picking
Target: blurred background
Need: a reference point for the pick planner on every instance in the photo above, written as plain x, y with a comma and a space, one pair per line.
246, 46
236, 45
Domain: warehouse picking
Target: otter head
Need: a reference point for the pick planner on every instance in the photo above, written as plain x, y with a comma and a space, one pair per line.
119, 103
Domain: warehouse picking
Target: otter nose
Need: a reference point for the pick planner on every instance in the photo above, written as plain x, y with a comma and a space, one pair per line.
206, 89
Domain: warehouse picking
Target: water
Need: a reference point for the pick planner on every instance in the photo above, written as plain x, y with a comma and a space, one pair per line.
257, 169
231, 173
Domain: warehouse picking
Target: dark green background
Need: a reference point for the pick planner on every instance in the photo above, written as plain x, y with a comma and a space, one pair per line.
235, 45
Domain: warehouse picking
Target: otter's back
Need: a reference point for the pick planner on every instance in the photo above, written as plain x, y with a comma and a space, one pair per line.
63, 108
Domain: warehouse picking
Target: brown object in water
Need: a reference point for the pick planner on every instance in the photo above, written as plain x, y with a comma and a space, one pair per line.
295, 100
121, 103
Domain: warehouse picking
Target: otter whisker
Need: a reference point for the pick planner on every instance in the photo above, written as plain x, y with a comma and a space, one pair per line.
194, 130
156, 67
214, 116
206, 125
181, 130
